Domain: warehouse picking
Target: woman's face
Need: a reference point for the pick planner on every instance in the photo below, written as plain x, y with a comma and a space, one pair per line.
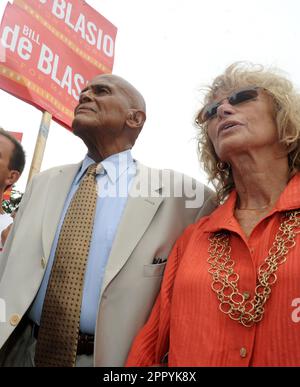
244, 126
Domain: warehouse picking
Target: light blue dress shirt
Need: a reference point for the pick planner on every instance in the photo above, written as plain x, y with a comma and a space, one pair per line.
113, 182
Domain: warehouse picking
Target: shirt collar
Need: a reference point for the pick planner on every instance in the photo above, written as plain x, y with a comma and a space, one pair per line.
114, 165
290, 197
223, 217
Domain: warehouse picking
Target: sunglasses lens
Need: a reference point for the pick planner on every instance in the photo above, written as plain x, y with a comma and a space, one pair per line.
242, 96
210, 111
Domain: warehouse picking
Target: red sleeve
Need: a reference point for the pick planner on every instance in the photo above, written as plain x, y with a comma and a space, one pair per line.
152, 342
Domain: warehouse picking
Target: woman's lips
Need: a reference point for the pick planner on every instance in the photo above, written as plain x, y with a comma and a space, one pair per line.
227, 125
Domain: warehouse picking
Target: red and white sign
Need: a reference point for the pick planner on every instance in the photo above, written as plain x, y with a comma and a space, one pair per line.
52, 49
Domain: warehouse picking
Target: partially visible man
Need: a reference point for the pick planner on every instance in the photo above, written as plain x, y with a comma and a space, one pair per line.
96, 289
12, 162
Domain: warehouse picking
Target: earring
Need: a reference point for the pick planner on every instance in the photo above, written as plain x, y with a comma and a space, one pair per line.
223, 166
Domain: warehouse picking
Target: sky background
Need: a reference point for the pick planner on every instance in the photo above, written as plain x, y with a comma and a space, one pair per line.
169, 49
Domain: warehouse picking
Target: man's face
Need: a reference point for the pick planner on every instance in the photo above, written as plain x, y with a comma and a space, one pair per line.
6, 151
103, 108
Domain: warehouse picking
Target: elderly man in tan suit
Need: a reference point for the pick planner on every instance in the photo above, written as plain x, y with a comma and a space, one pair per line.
73, 300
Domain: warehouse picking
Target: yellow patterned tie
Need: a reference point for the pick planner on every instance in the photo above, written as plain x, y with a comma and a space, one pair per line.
59, 328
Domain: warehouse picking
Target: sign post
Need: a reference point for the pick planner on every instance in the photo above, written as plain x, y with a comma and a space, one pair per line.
40, 146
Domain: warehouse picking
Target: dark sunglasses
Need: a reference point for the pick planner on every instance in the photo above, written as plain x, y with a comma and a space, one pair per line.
243, 95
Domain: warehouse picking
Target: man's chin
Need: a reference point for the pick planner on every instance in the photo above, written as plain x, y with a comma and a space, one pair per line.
75, 131
78, 127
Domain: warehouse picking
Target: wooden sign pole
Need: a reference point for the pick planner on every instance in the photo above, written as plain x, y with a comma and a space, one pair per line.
40, 146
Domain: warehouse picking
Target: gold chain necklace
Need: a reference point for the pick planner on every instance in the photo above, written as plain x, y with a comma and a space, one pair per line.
254, 209
225, 280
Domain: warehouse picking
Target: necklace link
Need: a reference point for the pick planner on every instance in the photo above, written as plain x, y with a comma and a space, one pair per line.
225, 279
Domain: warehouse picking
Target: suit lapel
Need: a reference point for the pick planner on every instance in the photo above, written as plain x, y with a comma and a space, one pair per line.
63, 179
137, 216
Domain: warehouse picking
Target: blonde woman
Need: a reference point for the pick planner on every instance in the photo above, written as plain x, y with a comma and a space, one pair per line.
230, 290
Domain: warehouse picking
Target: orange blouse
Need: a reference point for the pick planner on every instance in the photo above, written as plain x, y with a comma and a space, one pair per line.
186, 321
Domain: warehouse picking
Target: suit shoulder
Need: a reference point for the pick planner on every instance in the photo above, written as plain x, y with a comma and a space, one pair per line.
177, 177
54, 170
188, 183
176, 185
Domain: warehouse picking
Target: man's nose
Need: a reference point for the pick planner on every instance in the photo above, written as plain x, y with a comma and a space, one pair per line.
225, 109
85, 96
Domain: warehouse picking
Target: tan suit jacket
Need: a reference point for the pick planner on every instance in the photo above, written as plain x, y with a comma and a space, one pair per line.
148, 229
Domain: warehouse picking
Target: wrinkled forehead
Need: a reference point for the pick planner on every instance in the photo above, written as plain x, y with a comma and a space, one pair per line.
119, 84
107, 79
115, 82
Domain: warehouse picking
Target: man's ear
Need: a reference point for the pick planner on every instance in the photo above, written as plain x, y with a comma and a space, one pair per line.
135, 119
12, 177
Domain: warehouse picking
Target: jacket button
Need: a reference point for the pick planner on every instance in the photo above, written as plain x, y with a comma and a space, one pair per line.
14, 320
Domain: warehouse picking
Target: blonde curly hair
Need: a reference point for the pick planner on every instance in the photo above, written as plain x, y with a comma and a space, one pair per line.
287, 114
